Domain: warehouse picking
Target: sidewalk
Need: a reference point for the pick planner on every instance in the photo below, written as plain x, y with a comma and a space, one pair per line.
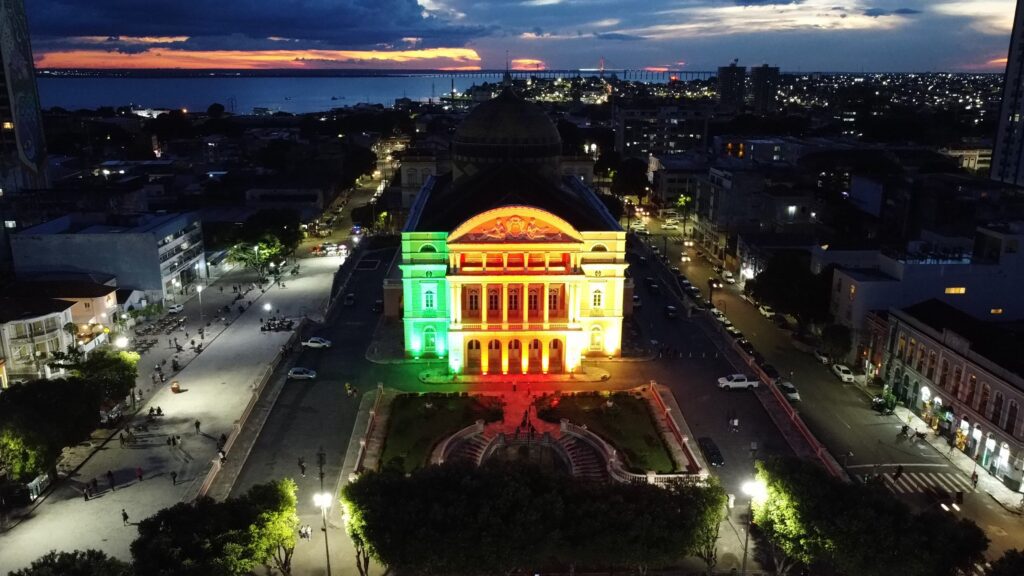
216, 386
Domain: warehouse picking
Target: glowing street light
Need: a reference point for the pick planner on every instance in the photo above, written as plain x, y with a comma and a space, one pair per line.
121, 341
756, 491
199, 291
323, 501
267, 306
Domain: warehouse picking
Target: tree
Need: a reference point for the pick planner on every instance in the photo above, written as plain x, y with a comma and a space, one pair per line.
710, 510
631, 179
112, 372
215, 110
836, 340
256, 255
273, 535
76, 563
280, 224
786, 282
1011, 563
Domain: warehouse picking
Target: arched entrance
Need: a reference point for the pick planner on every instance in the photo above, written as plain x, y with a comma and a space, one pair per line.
473, 356
429, 340
533, 354
596, 339
556, 359
494, 357
915, 394
515, 357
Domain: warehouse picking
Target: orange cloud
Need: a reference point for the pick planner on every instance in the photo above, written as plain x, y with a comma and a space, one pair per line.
656, 68
997, 62
257, 59
527, 64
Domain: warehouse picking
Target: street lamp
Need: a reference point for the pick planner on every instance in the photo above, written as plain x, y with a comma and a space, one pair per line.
267, 306
323, 501
121, 341
755, 490
199, 291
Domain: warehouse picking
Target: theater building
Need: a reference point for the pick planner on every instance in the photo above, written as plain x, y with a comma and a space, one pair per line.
508, 267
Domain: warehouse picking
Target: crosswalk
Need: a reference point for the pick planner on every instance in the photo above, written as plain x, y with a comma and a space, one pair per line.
916, 482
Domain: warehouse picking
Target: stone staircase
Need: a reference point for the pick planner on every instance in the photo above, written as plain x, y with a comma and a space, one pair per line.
471, 449
586, 463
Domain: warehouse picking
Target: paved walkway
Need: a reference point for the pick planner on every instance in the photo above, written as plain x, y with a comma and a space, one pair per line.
216, 386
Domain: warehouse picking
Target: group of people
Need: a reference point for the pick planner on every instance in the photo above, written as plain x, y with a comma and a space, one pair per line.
305, 532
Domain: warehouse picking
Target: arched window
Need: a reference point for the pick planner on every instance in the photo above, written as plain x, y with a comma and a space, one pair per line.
944, 375
596, 338
599, 248
983, 403
494, 345
534, 344
429, 299
429, 339
533, 300
555, 344
910, 352
597, 299
931, 365
553, 299
493, 299
427, 249
972, 383
997, 409
474, 300
1011, 418
957, 373
473, 345
513, 299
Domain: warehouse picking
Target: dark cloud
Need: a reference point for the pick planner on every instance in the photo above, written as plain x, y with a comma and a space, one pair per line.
618, 36
877, 12
906, 11
336, 24
765, 2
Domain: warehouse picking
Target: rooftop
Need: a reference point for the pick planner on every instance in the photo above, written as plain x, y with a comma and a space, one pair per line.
59, 289
998, 342
99, 223
13, 308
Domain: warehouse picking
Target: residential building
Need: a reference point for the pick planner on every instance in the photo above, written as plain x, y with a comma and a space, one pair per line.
675, 175
642, 129
732, 88
975, 158
1008, 156
94, 306
160, 254
509, 267
764, 87
31, 330
965, 378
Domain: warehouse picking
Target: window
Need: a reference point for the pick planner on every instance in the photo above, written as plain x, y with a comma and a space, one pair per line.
920, 360
957, 373
532, 301
944, 375
983, 403
427, 249
493, 300
791, 210
853, 292
997, 409
596, 338
474, 301
87, 304
931, 366
597, 299
956, 290
428, 299
1011, 418
972, 383
513, 300
553, 299
996, 311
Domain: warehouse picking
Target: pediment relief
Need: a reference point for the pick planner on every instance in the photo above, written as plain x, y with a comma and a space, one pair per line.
515, 228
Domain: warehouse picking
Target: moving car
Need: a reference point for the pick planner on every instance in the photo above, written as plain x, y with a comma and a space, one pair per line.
728, 277
711, 452
684, 257
821, 356
715, 283
842, 372
789, 391
175, 308
637, 303
738, 381
669, 226
746, 346
766, 311
301, 374
671, 312
317, 342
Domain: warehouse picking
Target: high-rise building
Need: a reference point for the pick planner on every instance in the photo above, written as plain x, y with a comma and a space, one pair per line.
732, 85
1008, 155
22, 148
764, 84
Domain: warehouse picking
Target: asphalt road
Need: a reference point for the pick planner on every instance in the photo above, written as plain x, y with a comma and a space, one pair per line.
840, 415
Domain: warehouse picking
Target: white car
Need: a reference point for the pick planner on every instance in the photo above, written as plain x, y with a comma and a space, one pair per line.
175, 308
684, 257
668, 226
821, 356
728, 278
789, 391
301, 374
766, 311
718, 315
738, 381
842, 372
317, 342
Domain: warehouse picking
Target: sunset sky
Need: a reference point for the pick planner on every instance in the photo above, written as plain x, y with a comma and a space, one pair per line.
830, 35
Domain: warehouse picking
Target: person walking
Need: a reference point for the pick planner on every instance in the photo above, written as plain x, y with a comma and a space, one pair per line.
122, 439
974, 479
899, 473
124, 517
85, 493
110, 479
174, 478
138, 473
197, 427
302, 467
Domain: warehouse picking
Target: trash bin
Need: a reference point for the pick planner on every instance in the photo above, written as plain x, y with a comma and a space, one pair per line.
175, 387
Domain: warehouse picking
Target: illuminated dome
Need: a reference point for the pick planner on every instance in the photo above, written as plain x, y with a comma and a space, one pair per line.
506, 130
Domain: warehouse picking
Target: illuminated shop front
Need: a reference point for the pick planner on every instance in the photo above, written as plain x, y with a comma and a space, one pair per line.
508, 268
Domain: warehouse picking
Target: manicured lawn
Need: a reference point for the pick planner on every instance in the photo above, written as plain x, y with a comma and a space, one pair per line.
626, 424
417, 423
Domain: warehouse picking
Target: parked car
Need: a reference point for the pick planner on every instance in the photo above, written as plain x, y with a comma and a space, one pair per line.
718, 269
734, 332
671, 312
718, 314
842, 372
301, 374
789, 391
746, 346
770, 371
669, 226
637, 303
711, 452
317, 342
749, 299
822, 356
175, 308
350, 299
738, 381
728, 277
694, 292
766, 311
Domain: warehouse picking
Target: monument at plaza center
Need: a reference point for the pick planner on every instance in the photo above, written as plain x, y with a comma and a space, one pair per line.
509, 267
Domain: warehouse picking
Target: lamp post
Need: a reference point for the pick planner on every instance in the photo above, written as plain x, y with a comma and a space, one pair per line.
199, 291
323, 500
755, 490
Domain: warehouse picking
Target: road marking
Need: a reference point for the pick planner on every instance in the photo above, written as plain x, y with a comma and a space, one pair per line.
847, 425
917, 482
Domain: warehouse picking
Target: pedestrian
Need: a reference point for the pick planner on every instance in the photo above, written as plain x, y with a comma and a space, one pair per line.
221, 289
170, 343
222, 441
302, 467
159, 411
174, 441
899, 472
197, 427
174, 478
186, 333
138, 473
223, 456
974, 479
122, 439
85, 493
124, 517
110, 478
170, 442
94, 486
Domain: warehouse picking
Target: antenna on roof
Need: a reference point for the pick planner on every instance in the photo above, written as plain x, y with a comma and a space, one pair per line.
506, 80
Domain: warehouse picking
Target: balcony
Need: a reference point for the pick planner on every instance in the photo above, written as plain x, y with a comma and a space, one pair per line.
510, 327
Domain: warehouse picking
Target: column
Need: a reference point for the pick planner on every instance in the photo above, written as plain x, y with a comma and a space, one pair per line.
547, 261
545, 357
504, 261
574, 298
485, 354
524, 301
524, 355
504, 301
504, 356
483, 303
544, 298
459, 303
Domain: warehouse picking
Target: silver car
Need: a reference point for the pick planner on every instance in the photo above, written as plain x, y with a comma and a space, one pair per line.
301, 374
